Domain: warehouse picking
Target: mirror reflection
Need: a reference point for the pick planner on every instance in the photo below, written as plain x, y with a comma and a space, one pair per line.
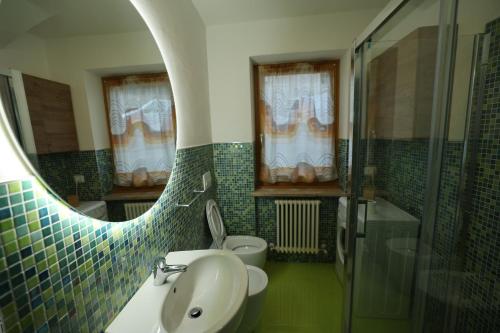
88, 98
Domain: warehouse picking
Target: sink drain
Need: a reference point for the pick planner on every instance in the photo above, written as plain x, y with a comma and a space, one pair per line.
195, 312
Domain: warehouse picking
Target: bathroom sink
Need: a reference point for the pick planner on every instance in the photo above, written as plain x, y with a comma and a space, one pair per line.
209, 297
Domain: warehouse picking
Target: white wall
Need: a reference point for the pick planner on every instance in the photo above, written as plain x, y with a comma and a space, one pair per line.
180, 34
28, 54
16, 55
231, 46
74, 61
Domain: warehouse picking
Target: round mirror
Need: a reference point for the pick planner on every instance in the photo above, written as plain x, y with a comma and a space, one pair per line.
87, 96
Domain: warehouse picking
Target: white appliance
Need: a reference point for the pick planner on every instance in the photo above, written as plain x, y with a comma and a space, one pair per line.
341, 238
382, 286
95, 209
342, 210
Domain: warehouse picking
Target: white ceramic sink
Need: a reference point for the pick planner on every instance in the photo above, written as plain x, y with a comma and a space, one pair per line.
209, 297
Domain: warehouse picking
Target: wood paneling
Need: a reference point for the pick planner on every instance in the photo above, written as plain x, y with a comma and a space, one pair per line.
51, 112
401, 87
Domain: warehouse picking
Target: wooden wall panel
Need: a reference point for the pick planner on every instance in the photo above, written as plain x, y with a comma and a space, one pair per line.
401, 87
51, 112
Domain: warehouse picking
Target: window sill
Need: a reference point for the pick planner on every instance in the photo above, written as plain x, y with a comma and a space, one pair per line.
333, 191
134, 194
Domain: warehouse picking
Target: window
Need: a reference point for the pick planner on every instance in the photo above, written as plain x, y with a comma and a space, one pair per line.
296, 123
141, 117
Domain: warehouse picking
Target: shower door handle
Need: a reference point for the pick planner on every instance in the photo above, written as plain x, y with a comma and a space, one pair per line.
362, 201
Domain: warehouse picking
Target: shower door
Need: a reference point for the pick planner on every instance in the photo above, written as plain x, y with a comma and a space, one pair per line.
399, 105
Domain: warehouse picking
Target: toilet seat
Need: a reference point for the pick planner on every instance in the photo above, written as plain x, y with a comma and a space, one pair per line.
215, 223
250, 249
244, 244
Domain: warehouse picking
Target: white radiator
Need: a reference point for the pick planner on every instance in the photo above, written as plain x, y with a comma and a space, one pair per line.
297, 226
136, 209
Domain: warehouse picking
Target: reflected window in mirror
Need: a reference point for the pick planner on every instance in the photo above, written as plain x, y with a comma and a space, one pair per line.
141, 118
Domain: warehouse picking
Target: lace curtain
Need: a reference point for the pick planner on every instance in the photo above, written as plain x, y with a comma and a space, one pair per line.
142, 124
297, 123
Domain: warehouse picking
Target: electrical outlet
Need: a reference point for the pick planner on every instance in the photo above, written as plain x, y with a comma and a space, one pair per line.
207, 180
79, 179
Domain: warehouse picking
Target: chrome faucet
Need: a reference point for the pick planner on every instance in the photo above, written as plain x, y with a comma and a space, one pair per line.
161, 271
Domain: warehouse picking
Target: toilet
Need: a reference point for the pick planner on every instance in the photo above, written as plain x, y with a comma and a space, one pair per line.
257, 288
251, 250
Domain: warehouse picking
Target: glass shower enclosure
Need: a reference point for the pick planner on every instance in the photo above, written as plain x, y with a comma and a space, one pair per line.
425, 108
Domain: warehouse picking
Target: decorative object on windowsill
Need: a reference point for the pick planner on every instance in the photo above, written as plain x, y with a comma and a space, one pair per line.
140, 177
73, 200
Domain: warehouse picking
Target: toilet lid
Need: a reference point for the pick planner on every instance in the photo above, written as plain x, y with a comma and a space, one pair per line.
215, 223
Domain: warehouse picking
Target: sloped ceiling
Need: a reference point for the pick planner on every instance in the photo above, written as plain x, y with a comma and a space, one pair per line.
66, 18
215, 12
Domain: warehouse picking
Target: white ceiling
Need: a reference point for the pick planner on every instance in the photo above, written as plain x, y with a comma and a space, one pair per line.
67, 18
215, 12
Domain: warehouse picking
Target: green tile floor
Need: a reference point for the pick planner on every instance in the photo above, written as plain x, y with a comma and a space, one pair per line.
302, 298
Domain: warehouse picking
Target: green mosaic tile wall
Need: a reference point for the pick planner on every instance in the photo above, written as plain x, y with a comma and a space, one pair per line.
481, 287
62, 272
444, 241
95, 165
244, 215
104, 160
401, 172
235, 176
343, 161
474, 250
401, 176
